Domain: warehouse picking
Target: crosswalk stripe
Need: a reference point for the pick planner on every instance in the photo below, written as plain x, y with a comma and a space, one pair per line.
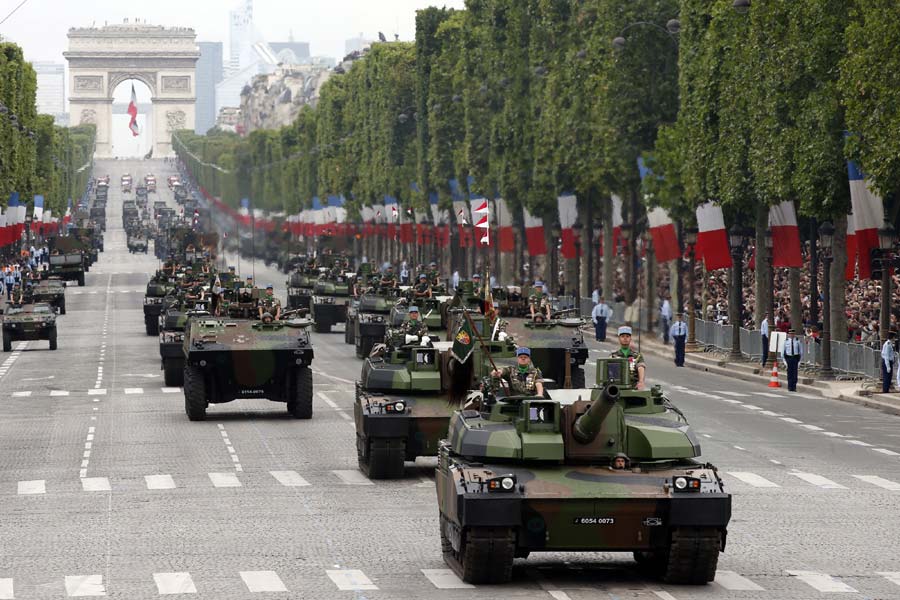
134, 390
735, 394
352, 477
886, 452
59, 393
832, 434
289, 478
85, 585
159, 482
95, 484
6, 589
171, 390
880, 482
822, 582
445, 579
224, 479
263, 581
818, 480
753, 479
769, 413
733, 582
97, 392
38, 486
892, 576
174, 583
351, 579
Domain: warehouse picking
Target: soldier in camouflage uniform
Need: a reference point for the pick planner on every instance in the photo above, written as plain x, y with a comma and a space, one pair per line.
636, 363
388, 278
270, 304
414, 326
539, 301
524, 379
434, 276
423, 288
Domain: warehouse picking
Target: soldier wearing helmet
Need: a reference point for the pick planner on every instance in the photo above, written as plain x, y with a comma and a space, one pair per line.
422, 289
524, 379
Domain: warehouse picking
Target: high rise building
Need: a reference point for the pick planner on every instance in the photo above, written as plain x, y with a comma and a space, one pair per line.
210, 72
51, 89
240, 33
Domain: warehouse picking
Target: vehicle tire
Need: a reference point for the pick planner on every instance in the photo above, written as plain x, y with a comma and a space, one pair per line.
173, 373
486, 555
81, 280
301, 405
578, 379
194, 393
151, 324
7, 342
383, 459
62, 307
693, 556
51, 335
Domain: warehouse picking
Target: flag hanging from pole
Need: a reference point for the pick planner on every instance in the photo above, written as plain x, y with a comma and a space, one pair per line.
133, 111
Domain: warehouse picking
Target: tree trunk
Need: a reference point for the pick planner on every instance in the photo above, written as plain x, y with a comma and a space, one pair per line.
609, 260
837, 291
796, 304
761, 274
650, 301
587, 246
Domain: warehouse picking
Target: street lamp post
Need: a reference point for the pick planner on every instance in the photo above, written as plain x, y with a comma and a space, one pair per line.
886, 239
826, 239
690, 238
649, 266
736, 239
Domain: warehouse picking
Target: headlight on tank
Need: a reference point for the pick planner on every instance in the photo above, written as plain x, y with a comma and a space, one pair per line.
686, 484
505, 483
395, 408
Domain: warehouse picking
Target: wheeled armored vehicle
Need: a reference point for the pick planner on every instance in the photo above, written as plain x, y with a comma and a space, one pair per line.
26, 322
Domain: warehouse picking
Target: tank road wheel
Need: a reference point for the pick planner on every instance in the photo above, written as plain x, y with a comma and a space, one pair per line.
485, 555
81, 279
194, 393
151, 324
693, 556
300, 405
577, 378
51, 335
173, 373
7, 341
384, 458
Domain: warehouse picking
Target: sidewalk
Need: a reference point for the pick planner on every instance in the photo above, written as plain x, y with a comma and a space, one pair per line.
857, 392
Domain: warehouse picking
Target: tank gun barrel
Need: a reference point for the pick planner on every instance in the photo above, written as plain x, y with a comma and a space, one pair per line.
588, 425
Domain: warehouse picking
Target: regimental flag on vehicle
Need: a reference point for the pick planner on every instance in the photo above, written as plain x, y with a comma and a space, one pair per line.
534, 234
481, 213
868, 215
665, 240
785, 235
712, 239
568, 214
133, 111
463, 340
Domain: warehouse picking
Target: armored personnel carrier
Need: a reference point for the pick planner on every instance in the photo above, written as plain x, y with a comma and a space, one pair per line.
227, 359
50, 291
172, 325
157, 288
370, 321
25, 322
406, 395
137, 243
608, 469
552, 343
331, 295
300, 288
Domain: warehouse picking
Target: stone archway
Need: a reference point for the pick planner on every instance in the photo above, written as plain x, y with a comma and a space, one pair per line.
163, 58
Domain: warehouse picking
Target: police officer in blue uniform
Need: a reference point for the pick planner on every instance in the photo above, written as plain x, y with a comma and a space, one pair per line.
792, 353
678, 331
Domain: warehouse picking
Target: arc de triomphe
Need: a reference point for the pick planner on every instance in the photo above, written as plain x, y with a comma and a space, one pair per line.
164, 58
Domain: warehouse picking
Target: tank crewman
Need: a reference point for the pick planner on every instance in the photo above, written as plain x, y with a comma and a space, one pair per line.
414, 325
678, 331
388, 278
434, 276
423, 287
888, 359
267, 317
270, 304
635, 359
619, 462
18, 294
792, 353
524, 379
538, 300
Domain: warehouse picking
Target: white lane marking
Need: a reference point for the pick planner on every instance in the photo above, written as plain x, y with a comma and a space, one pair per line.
733, 582
350, 579
886, 452
171, 390
134, 390
822, 582
97, 392
791, 420
769, 395
752, 407
159, 482
880, 482
769, 413
446, 579
174, 583
664, 595
733, 394
818, 480
735, 402
706, 435
224, 480
559, 595
263, 581
6, 589
85, 585
753, 479
353, 477
21, 394
231, 451
340, 411
37, 486
859, 443
811, 427
775, 462
739, 448
832, 434
694, 393
95, 484
892, 576
289, 478
324, 374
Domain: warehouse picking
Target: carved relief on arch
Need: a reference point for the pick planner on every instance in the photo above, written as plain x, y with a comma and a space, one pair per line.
175, 120
89, 83
88, 117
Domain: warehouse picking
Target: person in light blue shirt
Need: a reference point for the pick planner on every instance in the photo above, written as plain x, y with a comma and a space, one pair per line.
888, 359
678, 331
600, 316
764, 332
792, 353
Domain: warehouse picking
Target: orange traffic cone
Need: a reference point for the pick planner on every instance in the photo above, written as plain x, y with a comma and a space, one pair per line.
773, 382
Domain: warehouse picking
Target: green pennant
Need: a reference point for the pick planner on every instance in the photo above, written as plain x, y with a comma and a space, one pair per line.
463, 341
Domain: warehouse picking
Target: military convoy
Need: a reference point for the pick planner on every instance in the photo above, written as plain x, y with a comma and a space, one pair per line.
331, 295
67, 259
26, 322
50, 291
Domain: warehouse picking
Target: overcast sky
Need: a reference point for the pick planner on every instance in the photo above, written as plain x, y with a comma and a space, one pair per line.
40, 26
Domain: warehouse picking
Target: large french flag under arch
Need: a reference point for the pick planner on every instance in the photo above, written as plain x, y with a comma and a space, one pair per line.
867, 217
133, 111
712, 239
785, 235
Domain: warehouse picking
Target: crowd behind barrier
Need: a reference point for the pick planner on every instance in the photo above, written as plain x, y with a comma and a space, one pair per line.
848, 360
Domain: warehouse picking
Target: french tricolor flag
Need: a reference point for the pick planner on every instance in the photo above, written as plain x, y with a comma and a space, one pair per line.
534, 234
665, 240
568, 213
868, 216
850, 269
506, 236
785, 235
133, 111
712, 239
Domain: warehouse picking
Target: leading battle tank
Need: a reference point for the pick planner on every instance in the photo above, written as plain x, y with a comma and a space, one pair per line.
608, 469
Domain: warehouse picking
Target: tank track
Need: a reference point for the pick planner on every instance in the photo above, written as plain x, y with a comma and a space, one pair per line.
485, 555
693, 556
